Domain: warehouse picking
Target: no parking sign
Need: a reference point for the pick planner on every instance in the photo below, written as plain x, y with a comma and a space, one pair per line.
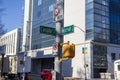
59, 11
55, 48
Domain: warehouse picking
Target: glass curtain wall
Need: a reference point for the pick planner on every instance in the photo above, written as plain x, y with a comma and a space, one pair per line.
97, 29
99, 60
97, 20
89, 20
115, 21
42, 16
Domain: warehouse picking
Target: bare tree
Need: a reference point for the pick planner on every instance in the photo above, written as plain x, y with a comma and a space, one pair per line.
2, 30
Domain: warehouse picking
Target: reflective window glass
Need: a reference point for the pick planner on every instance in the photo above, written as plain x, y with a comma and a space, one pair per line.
51, 7
88, 1
98, 6
39, 2
97, 17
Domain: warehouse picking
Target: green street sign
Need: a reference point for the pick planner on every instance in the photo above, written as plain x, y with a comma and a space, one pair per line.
68, 29
47, 30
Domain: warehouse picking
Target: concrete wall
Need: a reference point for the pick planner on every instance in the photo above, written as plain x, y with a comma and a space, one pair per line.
27, 24
11, 42
74, 14
75, 67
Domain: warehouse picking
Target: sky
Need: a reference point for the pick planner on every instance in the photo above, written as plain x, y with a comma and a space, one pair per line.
13, 14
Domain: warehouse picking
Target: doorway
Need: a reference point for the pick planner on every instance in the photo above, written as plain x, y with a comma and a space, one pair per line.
97, 72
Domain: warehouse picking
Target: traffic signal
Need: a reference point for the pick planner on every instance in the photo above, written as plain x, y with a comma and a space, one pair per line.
69, 50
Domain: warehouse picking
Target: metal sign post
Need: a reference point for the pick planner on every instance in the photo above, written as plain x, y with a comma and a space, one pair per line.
58, 17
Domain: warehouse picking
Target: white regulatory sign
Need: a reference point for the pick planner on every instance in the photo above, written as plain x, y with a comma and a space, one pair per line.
55, 48
58, 11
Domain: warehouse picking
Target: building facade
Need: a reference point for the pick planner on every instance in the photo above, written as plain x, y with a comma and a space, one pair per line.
38, 13
11, 41
96, 27
10, 45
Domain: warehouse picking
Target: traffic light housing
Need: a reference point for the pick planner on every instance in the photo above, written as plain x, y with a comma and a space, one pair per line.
69, 50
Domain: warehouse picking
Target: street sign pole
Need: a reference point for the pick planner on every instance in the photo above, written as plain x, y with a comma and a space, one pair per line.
58, 17
57, 64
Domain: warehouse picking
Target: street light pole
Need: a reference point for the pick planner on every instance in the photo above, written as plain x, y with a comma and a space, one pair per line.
85, 77
85, 65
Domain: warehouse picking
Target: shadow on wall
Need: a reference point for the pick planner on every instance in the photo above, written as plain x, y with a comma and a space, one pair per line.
80, 72
110, 66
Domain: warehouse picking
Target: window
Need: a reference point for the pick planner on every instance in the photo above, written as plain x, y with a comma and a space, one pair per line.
97, 17
118, 67
98, 1
112, 56
39, 14
98, 6
39, 2
51, 8
104, 2
88, 1
119, 56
